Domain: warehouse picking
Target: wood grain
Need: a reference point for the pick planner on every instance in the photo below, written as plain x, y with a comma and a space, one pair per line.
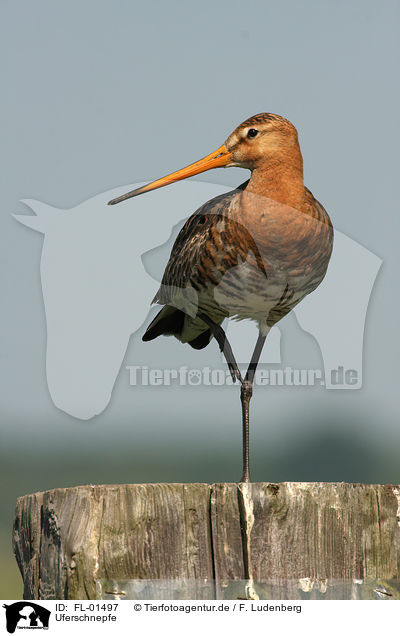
289, 540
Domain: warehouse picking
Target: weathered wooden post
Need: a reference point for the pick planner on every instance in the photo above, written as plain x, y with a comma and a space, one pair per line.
289, 540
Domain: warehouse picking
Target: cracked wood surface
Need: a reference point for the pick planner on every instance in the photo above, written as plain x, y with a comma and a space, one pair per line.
224, 540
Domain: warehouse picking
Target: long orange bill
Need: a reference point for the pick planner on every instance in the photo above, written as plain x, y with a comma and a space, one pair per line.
217, 159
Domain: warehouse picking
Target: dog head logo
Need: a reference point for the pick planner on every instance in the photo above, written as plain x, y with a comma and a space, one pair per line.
100, 270
26, 615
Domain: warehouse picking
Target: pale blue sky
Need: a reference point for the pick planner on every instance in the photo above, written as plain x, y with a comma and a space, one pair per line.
99, 94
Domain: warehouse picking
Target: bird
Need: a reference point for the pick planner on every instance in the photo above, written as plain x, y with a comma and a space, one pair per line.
250, 254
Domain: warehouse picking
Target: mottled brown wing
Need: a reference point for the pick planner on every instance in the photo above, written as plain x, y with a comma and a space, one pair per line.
204, 250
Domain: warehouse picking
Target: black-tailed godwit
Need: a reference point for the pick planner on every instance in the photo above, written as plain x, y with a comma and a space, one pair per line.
253, 253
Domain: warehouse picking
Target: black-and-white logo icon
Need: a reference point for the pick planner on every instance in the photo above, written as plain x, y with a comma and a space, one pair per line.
26, 615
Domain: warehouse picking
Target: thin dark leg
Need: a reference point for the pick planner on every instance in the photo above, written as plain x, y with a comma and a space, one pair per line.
246, 392
223, 342
245, 397
247, 384
255, 358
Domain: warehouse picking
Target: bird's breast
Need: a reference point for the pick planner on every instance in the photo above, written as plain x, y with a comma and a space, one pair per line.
248, 257
282, 255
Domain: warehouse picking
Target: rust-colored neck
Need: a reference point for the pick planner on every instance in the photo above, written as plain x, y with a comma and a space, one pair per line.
280, 178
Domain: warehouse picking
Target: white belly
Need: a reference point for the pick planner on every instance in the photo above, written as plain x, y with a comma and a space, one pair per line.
245, 292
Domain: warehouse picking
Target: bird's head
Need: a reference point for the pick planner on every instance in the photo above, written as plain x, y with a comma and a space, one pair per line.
260, 140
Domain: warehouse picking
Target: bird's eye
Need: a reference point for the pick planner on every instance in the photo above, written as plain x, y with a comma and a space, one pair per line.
252, 133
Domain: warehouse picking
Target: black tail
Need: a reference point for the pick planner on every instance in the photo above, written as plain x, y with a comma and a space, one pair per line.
169, 322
